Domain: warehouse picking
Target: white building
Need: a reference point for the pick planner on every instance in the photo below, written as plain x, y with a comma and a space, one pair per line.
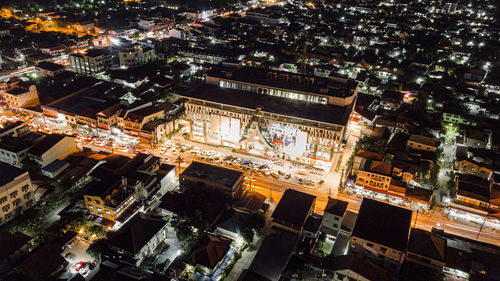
136, 56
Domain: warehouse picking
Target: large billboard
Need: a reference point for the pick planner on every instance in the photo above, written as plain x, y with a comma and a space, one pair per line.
225, 128
288, 139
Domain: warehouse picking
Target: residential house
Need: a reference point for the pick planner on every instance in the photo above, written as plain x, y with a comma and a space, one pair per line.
292, 211
13, 245
419, 142
274, 254
335, 211
381, 233
375, 175
209, 254
362, 156
391, 100
16, 192
350, 267
476, 138
43, 264
426, 248
139, 237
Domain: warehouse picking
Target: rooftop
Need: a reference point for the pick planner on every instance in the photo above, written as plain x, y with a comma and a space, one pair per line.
209, 250
427, 244
383, 224
285, 80
294, 208
423, 140
50, 66
336, 207
274, 254
212, 173
8, 173
45, 144
380, 167
136, 233
363, 267
326, 113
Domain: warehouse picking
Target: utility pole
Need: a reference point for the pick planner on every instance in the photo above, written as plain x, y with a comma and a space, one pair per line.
481, 228
415, 223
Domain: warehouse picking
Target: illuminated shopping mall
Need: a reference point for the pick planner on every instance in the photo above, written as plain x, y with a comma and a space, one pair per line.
272, 113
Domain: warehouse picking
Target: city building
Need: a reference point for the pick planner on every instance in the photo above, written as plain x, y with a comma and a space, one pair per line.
13, 150
201, 176
89, 63
14, 129
50, 148
22, 96
264, 16
122, 185
49, 69
272, 113
381, 233
375, 175
136, 56
16, 192
292, 211
139, 237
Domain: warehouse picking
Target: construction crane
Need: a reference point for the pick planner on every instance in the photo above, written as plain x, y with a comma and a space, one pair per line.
305, 55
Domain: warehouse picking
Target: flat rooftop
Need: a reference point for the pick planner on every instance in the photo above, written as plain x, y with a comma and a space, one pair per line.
325, 113
8, 173
383, 224
341, 88
294, 207
212, 173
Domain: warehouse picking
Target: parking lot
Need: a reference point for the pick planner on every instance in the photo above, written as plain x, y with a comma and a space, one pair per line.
77, 254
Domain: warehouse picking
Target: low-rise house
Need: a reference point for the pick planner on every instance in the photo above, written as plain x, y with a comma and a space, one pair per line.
43, 264
13, 246
293, 210
476, 138
274, 254
335, 211
419, 142
391, 100
426, 248
350, 267
49, 69
362, 156
472, 191
375, 175
209, 254
139, 237
16, 192
50, 148
55, 168
381, 233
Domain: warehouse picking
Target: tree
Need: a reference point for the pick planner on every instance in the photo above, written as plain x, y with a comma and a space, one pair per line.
433, 176
247, 234
257, 221
97, 248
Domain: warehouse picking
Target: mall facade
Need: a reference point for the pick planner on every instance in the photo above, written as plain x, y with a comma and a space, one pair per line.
273, 113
